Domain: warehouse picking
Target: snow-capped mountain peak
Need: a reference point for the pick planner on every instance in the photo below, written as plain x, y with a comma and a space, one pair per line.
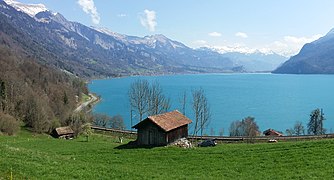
110, 33
240, 49
30, 9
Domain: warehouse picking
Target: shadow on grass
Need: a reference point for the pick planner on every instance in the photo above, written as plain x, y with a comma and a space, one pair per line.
133, 145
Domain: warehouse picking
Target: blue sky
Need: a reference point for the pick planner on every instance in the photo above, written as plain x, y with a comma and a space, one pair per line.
282, 26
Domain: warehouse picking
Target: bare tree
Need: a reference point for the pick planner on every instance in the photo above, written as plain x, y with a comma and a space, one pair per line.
212, 132
221, 132
290, 132
201, 110
146, 99
299, 128
157, 102
138, 96
183, 101
117, 122
246, 127
101, 120
235, 128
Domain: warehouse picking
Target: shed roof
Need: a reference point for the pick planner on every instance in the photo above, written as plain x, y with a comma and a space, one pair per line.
167, 121
64, 130
272, 131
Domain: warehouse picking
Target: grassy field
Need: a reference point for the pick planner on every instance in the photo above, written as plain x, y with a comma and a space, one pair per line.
29, 156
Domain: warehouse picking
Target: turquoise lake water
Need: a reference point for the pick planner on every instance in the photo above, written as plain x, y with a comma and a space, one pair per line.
276, 101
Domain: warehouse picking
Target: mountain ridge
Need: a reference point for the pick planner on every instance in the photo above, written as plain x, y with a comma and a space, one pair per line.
316, 57
93, 51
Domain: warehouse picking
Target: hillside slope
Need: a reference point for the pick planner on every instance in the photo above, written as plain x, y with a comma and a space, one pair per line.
29, 156
93, 52
314, 58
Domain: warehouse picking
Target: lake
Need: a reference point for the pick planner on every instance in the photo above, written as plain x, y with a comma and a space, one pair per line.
276, 101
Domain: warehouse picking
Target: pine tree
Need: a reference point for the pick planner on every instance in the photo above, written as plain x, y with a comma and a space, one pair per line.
315, 125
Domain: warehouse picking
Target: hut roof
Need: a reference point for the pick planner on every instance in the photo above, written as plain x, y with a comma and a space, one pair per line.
271, 132
167, 121
64, 130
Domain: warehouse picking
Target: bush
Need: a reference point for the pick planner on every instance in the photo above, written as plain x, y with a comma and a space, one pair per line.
77, 120
8, 124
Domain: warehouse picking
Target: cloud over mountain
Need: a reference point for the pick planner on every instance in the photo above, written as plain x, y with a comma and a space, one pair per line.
241, 35
215, 34
148, 20
88, 7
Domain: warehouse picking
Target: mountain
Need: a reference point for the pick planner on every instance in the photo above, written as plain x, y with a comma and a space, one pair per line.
30, 9
316, 57
251, 60
92, 52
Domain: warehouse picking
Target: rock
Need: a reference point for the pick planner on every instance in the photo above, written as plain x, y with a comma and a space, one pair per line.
183, 142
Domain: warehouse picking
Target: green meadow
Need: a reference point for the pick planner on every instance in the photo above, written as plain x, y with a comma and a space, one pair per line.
31, 156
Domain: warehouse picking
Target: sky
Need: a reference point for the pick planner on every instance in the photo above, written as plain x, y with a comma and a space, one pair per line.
281, 26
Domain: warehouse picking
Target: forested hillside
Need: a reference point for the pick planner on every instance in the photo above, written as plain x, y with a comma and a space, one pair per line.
37, 95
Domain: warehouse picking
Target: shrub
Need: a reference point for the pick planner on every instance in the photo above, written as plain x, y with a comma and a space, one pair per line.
8, 124
77, 120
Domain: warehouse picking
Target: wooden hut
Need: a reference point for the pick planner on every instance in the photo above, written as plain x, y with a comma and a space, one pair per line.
162, 129
271, 132
63, 132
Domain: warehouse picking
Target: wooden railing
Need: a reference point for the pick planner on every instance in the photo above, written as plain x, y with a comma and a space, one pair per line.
261, 138
230, 138
114, 130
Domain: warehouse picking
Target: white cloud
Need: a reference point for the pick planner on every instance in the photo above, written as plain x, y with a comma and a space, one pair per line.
287, 46
200, 43
89, 8
121, 15
291, 45
148, 20
215, 34
241, 35
301, 40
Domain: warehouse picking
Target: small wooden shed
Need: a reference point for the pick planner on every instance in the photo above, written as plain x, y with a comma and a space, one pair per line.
63, 132
271, 132
162, 129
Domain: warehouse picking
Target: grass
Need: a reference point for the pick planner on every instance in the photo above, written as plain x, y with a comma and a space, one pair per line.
30, 156
85, 98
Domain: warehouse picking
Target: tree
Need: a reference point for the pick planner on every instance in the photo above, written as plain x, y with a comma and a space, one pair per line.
157, 102
138, 96
245, 127
201, 111
65, 98
146, 99
87, 130
183, 101
37, 116
299, 128
77, 120
290, 132
221, 132
315, 125
250, 127
3, 96
212, 132
8, 124
101, 120
117, 122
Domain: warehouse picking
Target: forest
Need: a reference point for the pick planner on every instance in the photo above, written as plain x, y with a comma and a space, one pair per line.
35, 95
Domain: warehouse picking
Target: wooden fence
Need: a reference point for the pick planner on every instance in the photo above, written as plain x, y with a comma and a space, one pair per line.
262, 138
227, 138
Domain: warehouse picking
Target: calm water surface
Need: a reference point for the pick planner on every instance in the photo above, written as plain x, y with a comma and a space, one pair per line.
276, 101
